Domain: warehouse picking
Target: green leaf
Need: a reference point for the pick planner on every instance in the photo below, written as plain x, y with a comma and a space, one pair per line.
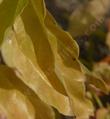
40, 8
8, 11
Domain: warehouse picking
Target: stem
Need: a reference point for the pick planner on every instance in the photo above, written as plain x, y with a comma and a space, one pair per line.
98, 100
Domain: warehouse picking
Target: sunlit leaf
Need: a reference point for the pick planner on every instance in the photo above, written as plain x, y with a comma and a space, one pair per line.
14, 105
37, 32
9, 81
45, 58
29, 71
48, 42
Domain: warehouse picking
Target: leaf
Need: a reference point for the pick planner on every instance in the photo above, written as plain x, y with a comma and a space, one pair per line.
9, 82
12, 108
8, 11
11, 100
102, 114
73, 82
71, 77
67, 47
16, 44
102, 70
37, 32
45, 38
20, 7
40, 8
64, 38
43, 67
94, 80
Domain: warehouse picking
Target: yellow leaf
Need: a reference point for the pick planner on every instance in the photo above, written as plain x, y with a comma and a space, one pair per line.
29, 71
45, 68
102, 113
45, 39
9, 82
63, 37
45, 58
67, 47
94, 80
73, 82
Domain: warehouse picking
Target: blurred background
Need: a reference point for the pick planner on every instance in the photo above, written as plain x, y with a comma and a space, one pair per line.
88, 21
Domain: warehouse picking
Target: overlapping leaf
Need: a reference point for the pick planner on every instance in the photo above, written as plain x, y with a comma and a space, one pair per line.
8, 11
67, 47
12, 85
72, 79
40, 47
45, 58
65, 39
13, 104
28, 70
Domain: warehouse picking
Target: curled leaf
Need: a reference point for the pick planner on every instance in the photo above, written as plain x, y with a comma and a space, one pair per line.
29, 71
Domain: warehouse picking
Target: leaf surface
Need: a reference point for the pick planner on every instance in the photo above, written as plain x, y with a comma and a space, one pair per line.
8, 11
10, 83
29, 71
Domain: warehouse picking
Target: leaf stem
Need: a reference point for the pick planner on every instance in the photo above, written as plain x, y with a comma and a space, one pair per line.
98, 100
